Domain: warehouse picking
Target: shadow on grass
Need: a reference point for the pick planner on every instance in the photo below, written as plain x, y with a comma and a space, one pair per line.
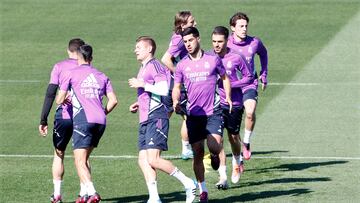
281, 180
251, 196
261, 152
168, 197
297, 166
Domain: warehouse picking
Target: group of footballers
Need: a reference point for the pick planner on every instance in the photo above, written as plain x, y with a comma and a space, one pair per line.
209, 89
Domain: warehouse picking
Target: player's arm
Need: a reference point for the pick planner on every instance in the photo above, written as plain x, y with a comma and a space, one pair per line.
48, 102
112, 102
168, 62
176, 93
246, 79
60, 98
262, 52
160, 88
227, 88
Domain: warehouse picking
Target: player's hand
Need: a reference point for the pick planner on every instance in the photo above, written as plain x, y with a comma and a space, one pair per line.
135, 83
134, 107
263, 83
228, 100
176, 106
43, 130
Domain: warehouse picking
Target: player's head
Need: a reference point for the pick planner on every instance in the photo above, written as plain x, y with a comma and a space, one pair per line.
219, 36
191, 38
238, 24
85, 54
73, 46
183, 19
145, 47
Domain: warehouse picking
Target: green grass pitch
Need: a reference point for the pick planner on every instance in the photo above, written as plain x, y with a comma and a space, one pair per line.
307, 144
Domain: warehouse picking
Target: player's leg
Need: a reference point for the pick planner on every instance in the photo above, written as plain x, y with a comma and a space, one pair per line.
186, 152
61, 136
250, 101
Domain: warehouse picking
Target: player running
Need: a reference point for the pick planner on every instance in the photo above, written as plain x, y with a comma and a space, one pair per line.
63, 125
87, 86
248, 46
151, 84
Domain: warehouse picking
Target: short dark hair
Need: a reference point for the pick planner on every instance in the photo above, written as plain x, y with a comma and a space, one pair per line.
74, 44
221, 30
191, 30
238, 16
150, 41
86, 51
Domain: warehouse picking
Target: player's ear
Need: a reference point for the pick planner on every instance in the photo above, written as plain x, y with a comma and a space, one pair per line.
232, 28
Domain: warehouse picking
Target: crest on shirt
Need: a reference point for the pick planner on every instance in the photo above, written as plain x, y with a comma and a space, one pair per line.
187, 68
207, 65
229, 64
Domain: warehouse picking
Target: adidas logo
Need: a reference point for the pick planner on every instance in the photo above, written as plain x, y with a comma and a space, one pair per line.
151, 142
90, 81
187, 68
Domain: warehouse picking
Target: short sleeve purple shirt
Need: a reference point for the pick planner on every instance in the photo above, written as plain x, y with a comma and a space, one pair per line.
58, 68
176, 47
200, 81
150, 105
88, 86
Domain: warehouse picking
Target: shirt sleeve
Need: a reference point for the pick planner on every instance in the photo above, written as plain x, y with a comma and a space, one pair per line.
175, 45
247, 77
65, 79
178, 77
108, 86
262, 52
54, 76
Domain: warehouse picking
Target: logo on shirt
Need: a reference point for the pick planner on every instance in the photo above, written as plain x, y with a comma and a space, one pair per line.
90, 87
207, 65
250, 50
187, 68
90, 81
229, 64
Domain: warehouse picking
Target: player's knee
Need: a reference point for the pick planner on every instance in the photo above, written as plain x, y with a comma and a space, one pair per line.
153, 162
250, 115
59, 153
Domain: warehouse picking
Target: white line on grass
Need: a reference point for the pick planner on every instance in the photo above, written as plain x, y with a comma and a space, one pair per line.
178, 157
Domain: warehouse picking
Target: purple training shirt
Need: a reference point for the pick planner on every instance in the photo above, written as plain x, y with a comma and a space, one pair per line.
88, 86
248, 49
150, 105
200, 80
239, 76
64, 111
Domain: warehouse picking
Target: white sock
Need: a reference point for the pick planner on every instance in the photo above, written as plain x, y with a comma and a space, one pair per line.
90, 188
153, 191
182, 178
247, 136
185, 146
222, 172
57, 187
236, 160
202, 187
82, 189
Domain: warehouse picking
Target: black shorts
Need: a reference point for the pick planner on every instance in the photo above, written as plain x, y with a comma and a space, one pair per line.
63, 129
232, 121
250, 94
199, 127
153, 134
86, 135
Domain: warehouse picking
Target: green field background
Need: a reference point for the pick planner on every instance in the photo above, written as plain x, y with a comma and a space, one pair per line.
302, 121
